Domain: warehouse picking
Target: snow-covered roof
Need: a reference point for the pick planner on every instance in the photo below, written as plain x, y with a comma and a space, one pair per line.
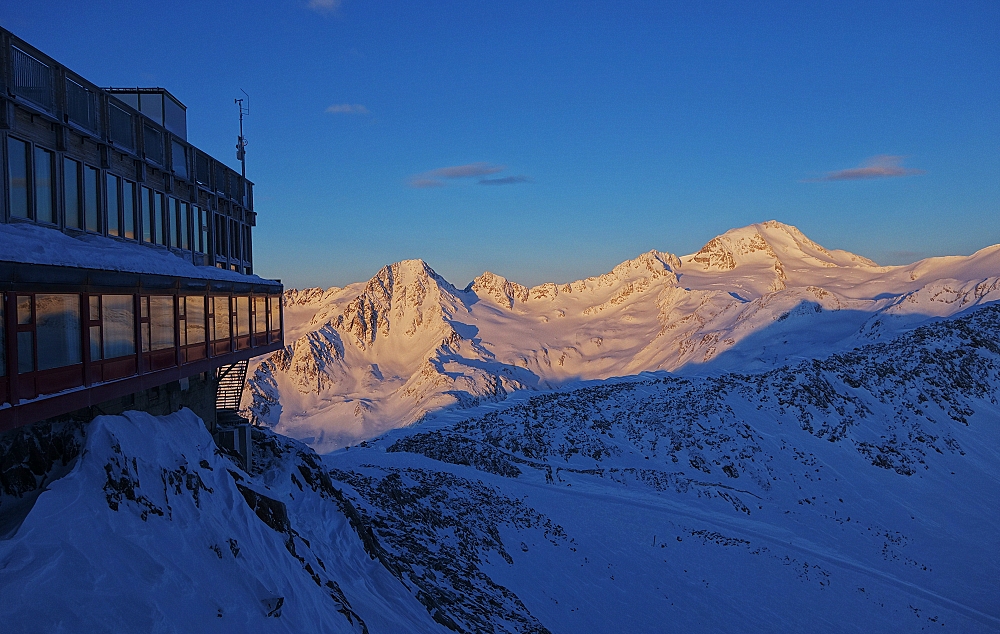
32, 244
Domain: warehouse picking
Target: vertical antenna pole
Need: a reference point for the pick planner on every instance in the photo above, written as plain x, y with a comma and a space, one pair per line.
241, 142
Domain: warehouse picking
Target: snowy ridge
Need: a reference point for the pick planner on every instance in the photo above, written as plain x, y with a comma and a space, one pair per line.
407, 342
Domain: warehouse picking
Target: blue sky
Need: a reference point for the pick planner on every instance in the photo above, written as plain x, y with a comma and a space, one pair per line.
601, 130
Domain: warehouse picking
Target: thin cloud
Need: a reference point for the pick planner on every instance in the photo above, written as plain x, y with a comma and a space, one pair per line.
883, 166
324, 6
507, 180
347, 108
425, 183
435, 178
466, 171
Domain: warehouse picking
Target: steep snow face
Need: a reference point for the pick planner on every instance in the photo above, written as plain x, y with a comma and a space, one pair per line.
378, 355
153, 530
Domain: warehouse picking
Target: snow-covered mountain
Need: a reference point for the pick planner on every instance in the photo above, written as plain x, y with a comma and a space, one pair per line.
379, 355
850, 492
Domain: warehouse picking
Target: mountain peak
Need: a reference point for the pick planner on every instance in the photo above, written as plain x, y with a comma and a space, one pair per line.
502, 290
770, 241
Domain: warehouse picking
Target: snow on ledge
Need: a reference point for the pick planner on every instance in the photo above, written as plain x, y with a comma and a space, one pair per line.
33, 244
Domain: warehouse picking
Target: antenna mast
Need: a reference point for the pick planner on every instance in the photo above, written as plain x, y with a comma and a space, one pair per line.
241, 142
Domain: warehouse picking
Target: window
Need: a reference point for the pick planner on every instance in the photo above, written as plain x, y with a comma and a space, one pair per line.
220, 235
120, 129
242, 316
71, 192
260, 314
148, 217
184, 226
118, 322
57, 326
114, 210
219, 321
45, 206
178, 156
247, 255
164, 232
194, 319
25, 335
201, 230
128, 209
234, 240
161, 322
17, 168
275, 301
153, 141
203, 169
94, 330
3, 339
151, 105
174, 117
91, 198
220, 178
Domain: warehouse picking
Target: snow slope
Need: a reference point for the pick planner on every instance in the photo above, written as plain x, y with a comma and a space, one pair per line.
853, 492
151, 532
379, 355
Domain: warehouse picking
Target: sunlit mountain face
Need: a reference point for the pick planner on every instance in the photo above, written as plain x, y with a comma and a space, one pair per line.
381, 354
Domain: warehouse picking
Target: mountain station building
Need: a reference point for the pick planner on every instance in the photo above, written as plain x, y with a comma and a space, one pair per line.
126, 259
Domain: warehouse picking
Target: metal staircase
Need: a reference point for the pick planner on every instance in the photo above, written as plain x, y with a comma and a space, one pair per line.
232, 378
232, 430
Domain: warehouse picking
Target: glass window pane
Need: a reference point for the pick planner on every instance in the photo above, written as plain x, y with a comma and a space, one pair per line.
260, 314
128, 209
242, 316
3, 341
148, 218
275, 311
151, 105
201, 229
113, 210
71, 192
161, 322
195, 319
158, 212
17, 170
119, 326
95, 307
45, 209
220, 307
95, 343
24, 310
178, 155
57, 324
91, 199
183, 226
25, 352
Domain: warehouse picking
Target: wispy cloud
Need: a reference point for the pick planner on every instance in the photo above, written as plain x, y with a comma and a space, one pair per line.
466, 171
507, 180
347, 108
882, 166
435, 177
425, 183
324, 6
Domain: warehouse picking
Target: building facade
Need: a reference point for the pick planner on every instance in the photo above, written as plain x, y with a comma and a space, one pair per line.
126, 259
